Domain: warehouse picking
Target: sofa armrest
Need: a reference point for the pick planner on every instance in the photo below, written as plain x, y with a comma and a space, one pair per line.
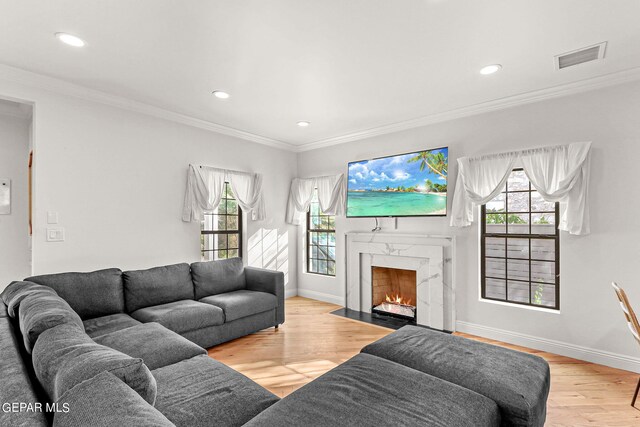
272, 282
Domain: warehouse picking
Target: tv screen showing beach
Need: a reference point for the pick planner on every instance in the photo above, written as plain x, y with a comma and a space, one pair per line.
413, 184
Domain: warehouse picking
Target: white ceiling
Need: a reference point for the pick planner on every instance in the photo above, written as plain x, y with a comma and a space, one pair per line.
345, 66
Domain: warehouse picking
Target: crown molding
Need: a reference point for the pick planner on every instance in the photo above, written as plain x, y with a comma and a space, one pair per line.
51, 84
484, 107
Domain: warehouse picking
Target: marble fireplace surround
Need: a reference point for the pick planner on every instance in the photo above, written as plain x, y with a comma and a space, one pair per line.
431, 257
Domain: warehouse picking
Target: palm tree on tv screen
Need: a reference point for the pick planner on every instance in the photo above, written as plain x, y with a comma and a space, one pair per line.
437, 162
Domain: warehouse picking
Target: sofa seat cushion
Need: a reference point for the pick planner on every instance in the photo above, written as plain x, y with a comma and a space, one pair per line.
217, 277
105, 401
370, 391
94, 294
239, 304
16, 383
64, 356
153, 343
518, 382
107, 324
158, 285
181, 316
203, 392
39, 312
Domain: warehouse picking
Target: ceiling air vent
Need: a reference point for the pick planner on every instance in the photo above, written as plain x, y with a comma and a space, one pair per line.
580, 56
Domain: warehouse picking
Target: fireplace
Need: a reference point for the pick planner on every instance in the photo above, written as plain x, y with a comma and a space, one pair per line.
393, 292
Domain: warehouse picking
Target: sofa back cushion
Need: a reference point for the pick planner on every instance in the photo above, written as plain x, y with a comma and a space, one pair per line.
63, 357
155, 286
218, 277
40, 312
105, 400
94, 294
13, 294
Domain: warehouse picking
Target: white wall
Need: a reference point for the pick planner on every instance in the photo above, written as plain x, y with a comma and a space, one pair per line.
117, 179
15, 255
590, 324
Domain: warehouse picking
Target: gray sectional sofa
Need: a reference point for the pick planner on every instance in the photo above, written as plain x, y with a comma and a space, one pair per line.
128, 348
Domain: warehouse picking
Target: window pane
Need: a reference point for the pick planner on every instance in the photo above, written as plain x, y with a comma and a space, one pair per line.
322, 252
314, 266
495, 268
207, 256
232, 222
331, 239
332, 222
518, 223
539, 204
314, 238
517, 181
517, 248
331, 266
544, 249
518, 202
323, 238
315, 222
222, 207
221, 254
542, 294
518, 269
207, 223
518, 291
322, 267
495, 289
233, 253
232, 207
543, 271
207, 241
221, 241
233, 241
544, 223
497, 204
314, 251
495, 247
315, 209
332, 253
221, 222
496, 223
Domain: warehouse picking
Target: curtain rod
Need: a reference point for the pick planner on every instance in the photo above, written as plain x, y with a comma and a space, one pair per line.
223, 170
521, 152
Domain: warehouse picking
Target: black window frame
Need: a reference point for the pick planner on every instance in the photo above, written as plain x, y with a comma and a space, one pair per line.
224, 199
483, 257
310, 243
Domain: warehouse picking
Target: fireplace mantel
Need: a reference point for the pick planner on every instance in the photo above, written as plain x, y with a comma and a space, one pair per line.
430, 256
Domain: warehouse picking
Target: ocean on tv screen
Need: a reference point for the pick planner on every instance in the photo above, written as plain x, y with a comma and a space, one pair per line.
413, 184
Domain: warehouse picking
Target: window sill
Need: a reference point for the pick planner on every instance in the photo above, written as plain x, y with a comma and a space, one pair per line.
526, 307
319, 275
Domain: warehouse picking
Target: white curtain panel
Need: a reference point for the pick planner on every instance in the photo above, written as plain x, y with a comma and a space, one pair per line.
331, 194
205, 186
559, 174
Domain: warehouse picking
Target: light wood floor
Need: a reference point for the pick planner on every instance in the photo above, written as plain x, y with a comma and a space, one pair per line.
312, 341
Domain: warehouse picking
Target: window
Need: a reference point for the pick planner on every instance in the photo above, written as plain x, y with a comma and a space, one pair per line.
321, 240
221, 230
520, 245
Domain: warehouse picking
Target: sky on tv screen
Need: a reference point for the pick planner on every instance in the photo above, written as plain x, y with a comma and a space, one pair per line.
393, 171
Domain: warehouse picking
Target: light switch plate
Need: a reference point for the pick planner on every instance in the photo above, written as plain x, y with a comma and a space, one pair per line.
52, 217
55, 234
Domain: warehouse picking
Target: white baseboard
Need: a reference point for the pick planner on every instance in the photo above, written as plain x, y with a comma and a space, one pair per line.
288, 293
333, 299
593, 355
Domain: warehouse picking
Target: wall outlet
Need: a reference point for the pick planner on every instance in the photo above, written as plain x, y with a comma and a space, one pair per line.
55, 234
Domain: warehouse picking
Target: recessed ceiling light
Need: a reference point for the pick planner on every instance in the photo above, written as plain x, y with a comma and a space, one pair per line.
303, 123
70, 39
490, 69
220, 94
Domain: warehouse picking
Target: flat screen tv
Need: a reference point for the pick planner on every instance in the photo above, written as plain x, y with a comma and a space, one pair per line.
412, 184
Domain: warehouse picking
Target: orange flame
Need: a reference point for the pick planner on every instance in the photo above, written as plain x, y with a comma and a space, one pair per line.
397, 299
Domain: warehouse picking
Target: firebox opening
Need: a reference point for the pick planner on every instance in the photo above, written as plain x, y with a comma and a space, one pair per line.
394, 292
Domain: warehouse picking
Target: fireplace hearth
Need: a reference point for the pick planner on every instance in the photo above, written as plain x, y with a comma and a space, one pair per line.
393, 292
